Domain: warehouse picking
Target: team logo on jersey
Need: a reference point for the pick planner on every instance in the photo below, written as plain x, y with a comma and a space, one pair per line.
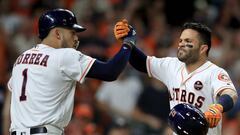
198, 85
224, 77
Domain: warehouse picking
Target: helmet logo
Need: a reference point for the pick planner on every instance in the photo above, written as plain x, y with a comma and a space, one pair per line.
198, 85
64, 21
172, 113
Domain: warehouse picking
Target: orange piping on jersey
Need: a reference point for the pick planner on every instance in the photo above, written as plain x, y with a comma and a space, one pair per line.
149, 68
221, 89
90, 63
197, 73
9, 86
182, 73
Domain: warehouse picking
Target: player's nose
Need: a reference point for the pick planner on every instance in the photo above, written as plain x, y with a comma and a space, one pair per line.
181, 45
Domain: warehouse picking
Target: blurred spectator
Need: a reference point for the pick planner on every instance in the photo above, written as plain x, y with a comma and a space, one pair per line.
82, 121
23, 39
3, 71
118, 98
229, 14
177, 12
120, 128
152, 108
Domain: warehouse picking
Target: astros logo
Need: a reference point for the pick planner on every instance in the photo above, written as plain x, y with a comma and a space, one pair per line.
223, 77
172, 113
198, 85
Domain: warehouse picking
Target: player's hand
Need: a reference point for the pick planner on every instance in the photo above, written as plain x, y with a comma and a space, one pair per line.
131, 38
121, 29
214, 114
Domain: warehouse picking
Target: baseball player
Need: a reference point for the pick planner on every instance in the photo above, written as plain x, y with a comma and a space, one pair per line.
44, 78
191, 78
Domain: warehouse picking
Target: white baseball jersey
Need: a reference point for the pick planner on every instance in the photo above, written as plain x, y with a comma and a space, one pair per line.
199, 88
43, 84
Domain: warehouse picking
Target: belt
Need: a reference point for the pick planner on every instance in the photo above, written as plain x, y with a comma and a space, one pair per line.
34, 130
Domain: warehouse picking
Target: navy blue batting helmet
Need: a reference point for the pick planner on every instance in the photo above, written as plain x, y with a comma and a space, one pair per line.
57, 18
185, 119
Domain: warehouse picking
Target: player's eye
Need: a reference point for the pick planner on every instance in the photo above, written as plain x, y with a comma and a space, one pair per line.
188, 41
180, 41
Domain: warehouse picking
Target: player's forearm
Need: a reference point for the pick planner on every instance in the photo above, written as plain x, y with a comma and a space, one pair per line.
110, 70
138, 60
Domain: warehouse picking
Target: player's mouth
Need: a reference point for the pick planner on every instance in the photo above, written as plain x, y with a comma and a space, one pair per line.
180, 50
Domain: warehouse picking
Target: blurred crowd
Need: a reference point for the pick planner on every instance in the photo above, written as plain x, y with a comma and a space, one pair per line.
134, 104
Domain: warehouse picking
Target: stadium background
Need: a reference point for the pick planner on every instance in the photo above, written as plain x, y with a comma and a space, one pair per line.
157, 23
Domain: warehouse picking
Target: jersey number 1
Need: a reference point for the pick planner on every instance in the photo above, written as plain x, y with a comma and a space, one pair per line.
23, 96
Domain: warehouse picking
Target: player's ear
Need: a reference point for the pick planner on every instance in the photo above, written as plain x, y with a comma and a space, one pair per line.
203, 49
57, 33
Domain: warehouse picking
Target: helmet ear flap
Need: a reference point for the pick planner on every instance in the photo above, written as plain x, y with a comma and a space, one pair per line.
185, 119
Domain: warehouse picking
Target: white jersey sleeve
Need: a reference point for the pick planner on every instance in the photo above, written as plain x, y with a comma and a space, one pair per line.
75, 65
9, 85
221, 80
161, 68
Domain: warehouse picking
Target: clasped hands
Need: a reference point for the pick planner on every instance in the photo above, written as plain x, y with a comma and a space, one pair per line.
125, 33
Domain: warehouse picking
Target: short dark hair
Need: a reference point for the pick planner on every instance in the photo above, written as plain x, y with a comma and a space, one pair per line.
203, 30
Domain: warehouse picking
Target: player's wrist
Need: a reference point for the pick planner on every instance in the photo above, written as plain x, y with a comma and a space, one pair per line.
219, 107
226, 102
128, 46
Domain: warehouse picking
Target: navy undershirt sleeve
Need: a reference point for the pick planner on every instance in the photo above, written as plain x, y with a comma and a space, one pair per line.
226, 101
138, 60
110, 70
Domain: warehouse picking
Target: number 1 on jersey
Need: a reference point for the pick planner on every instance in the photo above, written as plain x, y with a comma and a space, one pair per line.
23, 96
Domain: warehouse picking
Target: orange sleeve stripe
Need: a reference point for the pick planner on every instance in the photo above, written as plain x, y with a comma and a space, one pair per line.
9, 87
89, 64
223, 88
197, 73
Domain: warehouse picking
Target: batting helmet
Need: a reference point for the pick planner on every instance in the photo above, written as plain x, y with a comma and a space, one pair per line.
57, 18
185, 119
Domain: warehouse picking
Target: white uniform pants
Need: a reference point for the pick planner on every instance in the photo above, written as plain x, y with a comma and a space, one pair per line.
51, 130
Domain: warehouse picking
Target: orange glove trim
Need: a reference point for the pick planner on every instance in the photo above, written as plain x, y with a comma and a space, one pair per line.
214, 114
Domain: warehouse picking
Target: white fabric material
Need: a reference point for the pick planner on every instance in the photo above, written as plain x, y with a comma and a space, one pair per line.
198, 88
51, 130
120, 95
50, 86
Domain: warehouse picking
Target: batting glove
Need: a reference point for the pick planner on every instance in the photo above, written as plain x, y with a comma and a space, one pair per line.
214, 114
121, 29
131, 38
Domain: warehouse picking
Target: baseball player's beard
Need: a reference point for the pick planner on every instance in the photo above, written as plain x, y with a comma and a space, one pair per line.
64, 44
188, 57
76, 44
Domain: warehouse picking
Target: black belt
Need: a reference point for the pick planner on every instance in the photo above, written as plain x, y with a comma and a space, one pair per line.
35, 130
